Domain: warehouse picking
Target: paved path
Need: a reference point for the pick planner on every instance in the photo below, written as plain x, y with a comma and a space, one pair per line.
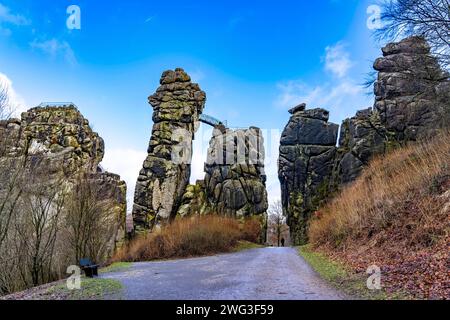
257, 274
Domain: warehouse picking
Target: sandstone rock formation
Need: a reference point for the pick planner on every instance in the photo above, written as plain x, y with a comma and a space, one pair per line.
194, 200
361, 137
59, 139
412, 92
162, 181
235, 178
307, 153
62, 133
412, 102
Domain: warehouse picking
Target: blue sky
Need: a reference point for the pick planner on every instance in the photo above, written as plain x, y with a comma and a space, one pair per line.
254, 60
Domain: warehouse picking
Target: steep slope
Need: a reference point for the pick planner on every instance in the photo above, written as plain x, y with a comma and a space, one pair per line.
396, 215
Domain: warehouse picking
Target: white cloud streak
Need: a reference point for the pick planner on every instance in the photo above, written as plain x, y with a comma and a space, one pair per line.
6, 16
9, 18
16, 102
337, 60
341, 94
55, 48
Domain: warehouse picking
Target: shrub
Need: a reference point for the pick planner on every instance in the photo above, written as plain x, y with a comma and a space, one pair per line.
251, 230
186, 237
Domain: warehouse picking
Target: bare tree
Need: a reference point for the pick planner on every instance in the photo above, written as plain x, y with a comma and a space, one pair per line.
38, 224
5, 106
10, 193
90, 220
277, 221
31, 204
427, 18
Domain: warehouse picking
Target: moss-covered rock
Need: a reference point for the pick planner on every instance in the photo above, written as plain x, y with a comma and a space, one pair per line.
235, 177
59, 140
162, 182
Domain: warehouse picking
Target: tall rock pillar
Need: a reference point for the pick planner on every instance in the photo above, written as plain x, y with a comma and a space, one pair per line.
235, 178
307, 152
177, 104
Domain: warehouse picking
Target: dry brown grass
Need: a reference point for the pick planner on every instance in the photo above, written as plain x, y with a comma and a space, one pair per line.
195, 236
407, 185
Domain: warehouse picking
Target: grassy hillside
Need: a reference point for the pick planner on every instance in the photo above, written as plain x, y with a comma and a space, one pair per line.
396, 216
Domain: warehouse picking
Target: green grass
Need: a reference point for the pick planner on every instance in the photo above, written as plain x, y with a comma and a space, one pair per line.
91, 288
340, 277
245, 245
116, 267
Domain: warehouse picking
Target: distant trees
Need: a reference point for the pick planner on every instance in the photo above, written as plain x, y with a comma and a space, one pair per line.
427, 18
277, 222
5, 107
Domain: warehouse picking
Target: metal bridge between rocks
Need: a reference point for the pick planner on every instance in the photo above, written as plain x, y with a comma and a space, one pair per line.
212, 121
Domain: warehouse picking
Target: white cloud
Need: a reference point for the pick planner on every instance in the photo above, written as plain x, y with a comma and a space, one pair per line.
6, 16
9, 18
16, 102
196, 75
341, 95
55, 48
337, 60
127, 163
329, 95
342, 98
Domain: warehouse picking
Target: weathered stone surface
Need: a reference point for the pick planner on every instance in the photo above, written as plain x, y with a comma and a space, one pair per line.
235, 177
62, 133
177, 105
312, 131
412, 92
298, 108
307, 153
194, 200
361, 137
412, 102
60, 140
